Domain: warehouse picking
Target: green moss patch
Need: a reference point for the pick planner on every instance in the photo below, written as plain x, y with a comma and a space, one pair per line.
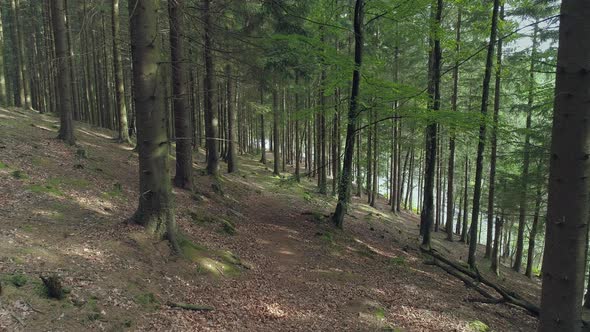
214, 263
20, 175
228, 227
478, 326
76, 183
17, 280
115, 192
45, 189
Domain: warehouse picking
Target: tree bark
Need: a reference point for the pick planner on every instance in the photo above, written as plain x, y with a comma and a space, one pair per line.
369, 159
346, 178
497, 245
482, 136
566, 234
494, 152
3, 95
464, 236
66, 128
375, 184
211, 121
526, 159
19, 91
182, 115
533, 234
262, 136
451, 167
155, 210
123, 130
322, 177
297, 143
275, 131
232, 159
492, 252
427, 213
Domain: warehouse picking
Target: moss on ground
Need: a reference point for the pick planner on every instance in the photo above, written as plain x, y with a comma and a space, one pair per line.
478, 326
45, 189
19, 175
210, 262
115, 192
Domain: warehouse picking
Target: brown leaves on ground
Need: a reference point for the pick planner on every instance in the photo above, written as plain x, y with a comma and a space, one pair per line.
286, 271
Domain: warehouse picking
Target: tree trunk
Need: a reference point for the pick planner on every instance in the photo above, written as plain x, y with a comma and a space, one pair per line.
232, 159
346, 177
3, 96
155, 210
533, 234
451, 168
427, 213
19, 90
493, 252
464, 236
394, 163
369, 158
297, 143
410, 187
275, 130
211, 126
438, 186
182, 115
482, 136
375, 185
336, 141
66, 128
566, 235
322, 177
262, 137
497, 245
123, 130
526, 159
359, 177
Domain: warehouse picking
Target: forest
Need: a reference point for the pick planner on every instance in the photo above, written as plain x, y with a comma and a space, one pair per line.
294, 165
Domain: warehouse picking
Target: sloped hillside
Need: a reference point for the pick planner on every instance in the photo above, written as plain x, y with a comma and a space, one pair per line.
259, 254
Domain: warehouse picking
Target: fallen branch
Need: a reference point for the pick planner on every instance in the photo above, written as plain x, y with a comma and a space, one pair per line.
192, 307
509, 296
34, 309
469, 283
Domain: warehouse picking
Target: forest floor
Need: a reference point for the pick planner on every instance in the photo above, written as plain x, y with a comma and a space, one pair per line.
260, 251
